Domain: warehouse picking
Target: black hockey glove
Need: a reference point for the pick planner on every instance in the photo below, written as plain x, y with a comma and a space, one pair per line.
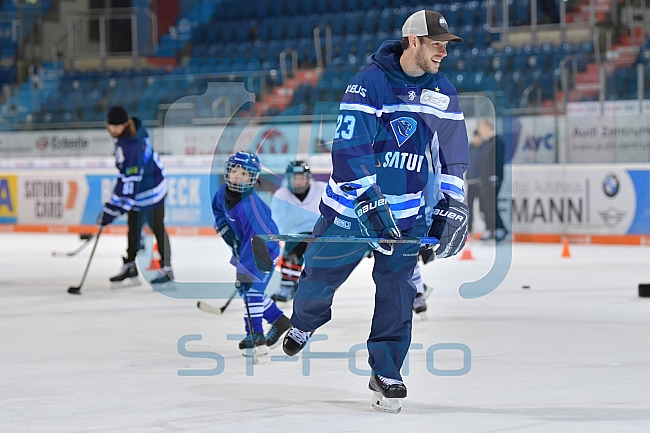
449, 226
263, 259
106, 216
230, 237
426, 254
376, 219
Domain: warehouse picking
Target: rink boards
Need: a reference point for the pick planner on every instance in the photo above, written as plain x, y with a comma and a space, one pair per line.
596, 203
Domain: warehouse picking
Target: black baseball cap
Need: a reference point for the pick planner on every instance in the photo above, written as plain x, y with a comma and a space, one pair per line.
429, 24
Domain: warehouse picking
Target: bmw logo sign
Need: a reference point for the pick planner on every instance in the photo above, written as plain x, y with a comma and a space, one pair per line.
611, 185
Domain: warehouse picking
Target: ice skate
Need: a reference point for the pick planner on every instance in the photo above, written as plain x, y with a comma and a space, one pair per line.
487, 235
165, 280
280, 326
127, 277
387, 393
287, 292
295, 340
420, 306
260, 343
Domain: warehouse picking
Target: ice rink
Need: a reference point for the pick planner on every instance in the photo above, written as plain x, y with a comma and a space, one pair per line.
571, 353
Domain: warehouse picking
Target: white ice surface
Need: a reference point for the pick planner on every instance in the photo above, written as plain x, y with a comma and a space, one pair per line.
569, 354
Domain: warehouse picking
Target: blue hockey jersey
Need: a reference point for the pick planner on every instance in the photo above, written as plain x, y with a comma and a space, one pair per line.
249, 216
387, 123
141, 182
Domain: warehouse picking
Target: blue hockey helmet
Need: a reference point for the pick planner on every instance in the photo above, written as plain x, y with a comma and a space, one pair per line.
249, 162
294, 168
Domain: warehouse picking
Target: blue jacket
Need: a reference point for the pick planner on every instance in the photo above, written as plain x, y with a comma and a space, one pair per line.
247, 217
387, 121
141, 182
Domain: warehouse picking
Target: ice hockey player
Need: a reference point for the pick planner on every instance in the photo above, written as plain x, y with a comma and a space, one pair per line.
295, 210
140, 192
392, 113
239, 214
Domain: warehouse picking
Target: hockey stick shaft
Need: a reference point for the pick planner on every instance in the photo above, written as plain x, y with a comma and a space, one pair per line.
216, 310
76, 290
348, 239
75, 252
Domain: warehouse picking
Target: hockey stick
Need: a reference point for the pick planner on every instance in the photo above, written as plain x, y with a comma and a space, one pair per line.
347, 239
216, 310
77, 290
75, 252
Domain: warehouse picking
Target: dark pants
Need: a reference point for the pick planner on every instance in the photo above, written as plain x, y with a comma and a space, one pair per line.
488, 202
155, 219
328, 265
473, 193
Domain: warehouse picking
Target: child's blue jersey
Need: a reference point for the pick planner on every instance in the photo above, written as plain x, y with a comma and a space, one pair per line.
249, 216
387, 124
141, 183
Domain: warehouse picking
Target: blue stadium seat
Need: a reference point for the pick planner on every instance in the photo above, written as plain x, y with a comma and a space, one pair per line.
336, 6
338, 24
277, 9
385, 21
306, 51
353, 23
261, 10
294, 9
369, 22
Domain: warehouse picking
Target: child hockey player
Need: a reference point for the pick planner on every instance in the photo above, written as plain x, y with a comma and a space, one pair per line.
140, 192
295, 210
239, 214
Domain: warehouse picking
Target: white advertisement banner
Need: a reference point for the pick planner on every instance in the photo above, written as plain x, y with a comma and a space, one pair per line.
51, 198
620, 132
36, 144
572, 199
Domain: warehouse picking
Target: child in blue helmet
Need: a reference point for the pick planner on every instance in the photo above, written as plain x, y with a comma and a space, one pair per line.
239, 214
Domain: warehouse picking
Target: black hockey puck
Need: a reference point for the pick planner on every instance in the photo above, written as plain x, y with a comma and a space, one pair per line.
525, 287
85, 236
644, 290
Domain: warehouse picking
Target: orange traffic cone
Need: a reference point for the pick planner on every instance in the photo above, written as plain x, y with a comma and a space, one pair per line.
155, 258
565, 249
467, 252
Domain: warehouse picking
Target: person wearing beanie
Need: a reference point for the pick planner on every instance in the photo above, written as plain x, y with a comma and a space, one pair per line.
140, 193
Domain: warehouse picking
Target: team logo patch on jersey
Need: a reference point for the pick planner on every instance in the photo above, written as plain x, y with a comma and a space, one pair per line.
403, 128
434, 99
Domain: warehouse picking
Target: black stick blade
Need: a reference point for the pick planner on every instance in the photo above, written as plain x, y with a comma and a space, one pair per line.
74, 290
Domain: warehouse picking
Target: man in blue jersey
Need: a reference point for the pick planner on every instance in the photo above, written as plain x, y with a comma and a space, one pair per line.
393, 112
140, 192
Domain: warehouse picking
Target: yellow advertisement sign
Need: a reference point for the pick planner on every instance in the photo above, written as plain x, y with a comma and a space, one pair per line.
8, 199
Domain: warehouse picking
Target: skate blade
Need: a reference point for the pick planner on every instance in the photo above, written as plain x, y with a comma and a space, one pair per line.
126, 283
383, 404
423, 316
261, 350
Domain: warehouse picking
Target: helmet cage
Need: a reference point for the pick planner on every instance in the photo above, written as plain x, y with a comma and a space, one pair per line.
294, 168
247, 161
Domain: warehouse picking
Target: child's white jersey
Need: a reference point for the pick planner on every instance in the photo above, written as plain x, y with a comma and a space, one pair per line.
294, 216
